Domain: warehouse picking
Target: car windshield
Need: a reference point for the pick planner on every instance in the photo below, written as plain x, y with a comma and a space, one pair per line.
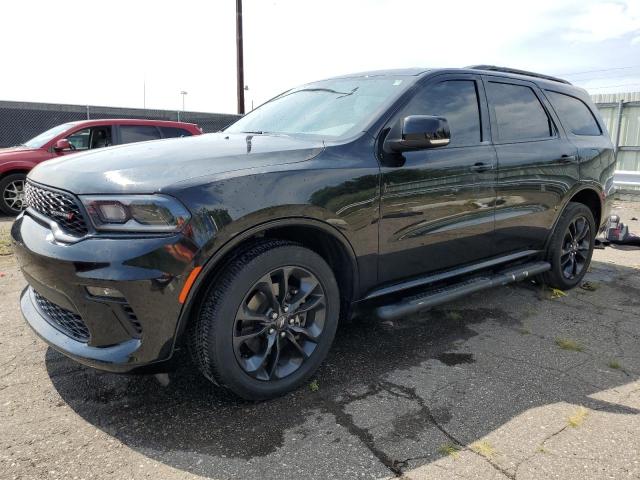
44, 137
330, 109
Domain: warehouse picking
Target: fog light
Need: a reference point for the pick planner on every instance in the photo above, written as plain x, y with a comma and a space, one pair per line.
104, 292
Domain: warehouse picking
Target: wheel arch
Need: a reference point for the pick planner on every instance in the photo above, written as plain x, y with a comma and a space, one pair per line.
319, 236
588, 195
13, 171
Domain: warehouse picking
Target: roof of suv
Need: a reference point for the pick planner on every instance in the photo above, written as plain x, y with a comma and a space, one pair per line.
491, 69
132, 121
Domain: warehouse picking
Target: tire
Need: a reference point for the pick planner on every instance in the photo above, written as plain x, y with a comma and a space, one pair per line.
570, 247
243, 339
12, 193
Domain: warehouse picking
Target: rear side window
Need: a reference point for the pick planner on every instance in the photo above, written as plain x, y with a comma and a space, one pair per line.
574, 114
173, 132
518, 112
455, 100
138, 133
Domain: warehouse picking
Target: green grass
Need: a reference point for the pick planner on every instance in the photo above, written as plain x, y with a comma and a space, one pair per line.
615, 365
450, 449
453, 316
571, 345
525, 331
314, 386
589, 286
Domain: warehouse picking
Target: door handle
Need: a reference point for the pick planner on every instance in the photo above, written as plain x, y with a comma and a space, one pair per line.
481, 167
567, 159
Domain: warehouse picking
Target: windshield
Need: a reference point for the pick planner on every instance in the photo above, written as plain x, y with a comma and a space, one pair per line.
331, 108
44, 137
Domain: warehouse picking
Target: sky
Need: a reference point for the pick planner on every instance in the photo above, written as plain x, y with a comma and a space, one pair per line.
111, 53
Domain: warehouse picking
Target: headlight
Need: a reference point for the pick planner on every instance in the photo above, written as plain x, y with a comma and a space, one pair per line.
135, 213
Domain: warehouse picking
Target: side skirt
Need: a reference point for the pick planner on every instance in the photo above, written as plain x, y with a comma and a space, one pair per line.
448, 274
430, 298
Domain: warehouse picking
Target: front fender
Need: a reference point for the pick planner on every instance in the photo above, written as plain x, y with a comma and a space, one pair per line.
12, 166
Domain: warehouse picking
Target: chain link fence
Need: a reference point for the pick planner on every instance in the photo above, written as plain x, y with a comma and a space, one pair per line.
21, 121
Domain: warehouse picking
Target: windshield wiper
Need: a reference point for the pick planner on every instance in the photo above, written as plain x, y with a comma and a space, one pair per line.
329, 90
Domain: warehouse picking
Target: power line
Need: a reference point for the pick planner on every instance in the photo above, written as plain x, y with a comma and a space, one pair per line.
598, 71
608, 77
613, 86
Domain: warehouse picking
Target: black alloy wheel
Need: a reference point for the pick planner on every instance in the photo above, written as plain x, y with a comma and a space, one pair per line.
279, 322
570, 247
576, 248
267, 320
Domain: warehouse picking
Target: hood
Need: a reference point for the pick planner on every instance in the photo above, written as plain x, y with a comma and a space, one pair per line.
149, 167
16, 152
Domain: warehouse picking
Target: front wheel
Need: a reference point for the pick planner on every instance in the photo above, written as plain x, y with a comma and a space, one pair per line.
12, 193
571, 247
268, 321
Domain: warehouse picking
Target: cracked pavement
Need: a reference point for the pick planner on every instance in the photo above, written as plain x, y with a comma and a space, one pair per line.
477, 388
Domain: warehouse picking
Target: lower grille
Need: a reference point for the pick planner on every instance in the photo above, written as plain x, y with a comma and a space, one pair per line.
133, 318
67, 322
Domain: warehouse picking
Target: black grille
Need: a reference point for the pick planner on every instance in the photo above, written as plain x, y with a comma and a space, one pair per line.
58, 206
133, 318
68, 322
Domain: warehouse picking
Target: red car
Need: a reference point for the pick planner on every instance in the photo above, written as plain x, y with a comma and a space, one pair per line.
68, 138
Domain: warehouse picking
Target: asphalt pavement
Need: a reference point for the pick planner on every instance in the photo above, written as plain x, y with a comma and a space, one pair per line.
517, 382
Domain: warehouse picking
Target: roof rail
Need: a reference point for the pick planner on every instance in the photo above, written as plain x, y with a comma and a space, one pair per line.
493, 68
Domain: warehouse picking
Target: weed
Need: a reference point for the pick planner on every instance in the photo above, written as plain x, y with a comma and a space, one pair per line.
578, 417
453, 316
5, 243
450, 449
314, 386
589, 286
571, 345
615, 365
483, 448
557, 293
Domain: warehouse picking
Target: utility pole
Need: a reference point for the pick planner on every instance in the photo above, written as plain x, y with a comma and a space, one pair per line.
239, 57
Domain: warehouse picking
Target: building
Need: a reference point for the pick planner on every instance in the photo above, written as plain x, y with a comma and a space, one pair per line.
621, 114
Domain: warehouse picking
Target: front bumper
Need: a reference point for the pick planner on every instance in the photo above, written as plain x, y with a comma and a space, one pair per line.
114, 358
122, 334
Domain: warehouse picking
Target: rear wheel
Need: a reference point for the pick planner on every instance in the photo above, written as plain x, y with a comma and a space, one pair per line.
267, 323
571, 247
12, 193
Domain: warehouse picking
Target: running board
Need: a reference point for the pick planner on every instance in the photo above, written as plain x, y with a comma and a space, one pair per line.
430, 298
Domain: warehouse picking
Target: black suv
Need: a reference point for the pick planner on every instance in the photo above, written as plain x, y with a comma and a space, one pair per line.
401, 189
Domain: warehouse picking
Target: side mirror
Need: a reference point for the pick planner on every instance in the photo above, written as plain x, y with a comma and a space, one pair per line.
62, 144
417, 132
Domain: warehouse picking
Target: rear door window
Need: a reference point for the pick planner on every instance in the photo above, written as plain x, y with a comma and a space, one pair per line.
173, 132
574, 114
518, 113
138, 133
